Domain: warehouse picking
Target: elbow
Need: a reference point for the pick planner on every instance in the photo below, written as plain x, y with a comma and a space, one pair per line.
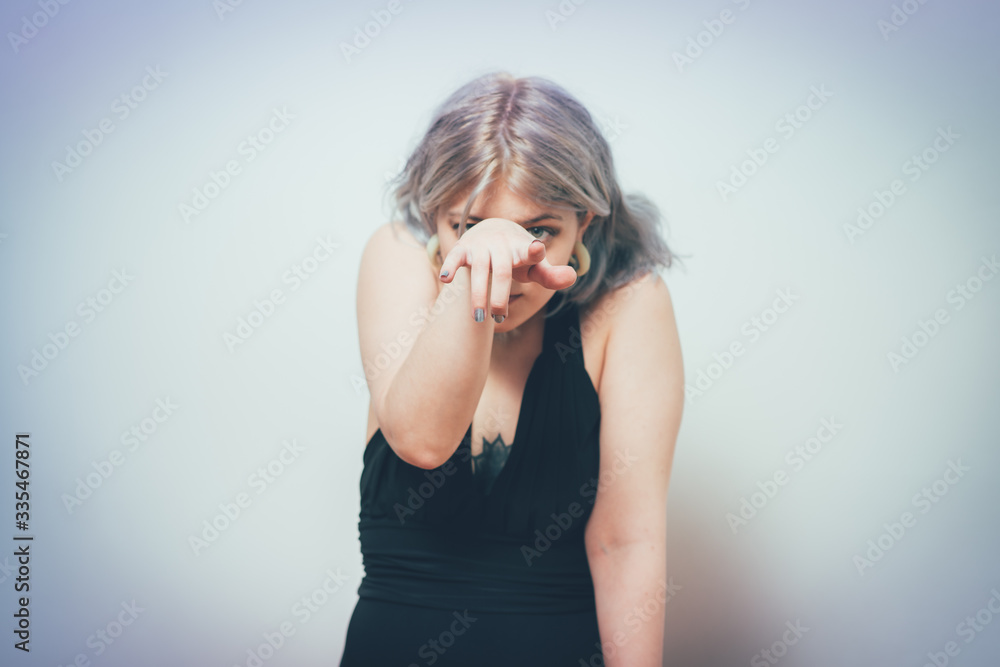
410, 444
406, 443
416, 453
424, 458
601, 544
596, 547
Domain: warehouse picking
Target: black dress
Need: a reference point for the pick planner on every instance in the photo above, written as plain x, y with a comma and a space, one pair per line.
458, 575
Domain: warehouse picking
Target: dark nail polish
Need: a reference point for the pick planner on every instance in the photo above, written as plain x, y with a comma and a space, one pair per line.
480, 315
499, 318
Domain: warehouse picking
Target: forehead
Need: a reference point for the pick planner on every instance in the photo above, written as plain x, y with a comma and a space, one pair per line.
502, 202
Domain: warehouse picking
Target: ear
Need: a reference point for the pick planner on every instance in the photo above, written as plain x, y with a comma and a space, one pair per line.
584, 224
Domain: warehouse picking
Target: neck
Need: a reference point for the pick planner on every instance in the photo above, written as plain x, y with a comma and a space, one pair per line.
508, 337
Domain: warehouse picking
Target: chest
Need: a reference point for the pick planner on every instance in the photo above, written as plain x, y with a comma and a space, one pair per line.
500, 409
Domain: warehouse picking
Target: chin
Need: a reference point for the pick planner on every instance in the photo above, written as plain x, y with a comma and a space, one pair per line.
505, 326
510, 327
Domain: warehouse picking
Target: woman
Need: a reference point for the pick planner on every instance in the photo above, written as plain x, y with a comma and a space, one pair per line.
526, 393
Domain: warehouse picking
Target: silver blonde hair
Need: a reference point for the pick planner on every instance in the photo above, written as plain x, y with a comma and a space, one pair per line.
544, 143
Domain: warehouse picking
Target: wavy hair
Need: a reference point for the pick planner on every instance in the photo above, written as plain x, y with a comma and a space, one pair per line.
543, 142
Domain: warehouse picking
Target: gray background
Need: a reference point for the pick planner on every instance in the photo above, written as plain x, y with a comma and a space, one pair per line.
677, 130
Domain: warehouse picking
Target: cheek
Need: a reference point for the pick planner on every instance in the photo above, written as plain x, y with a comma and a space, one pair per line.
560, 254
535, 296
447, 238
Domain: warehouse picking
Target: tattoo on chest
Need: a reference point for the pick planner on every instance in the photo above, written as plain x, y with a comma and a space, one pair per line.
487, 465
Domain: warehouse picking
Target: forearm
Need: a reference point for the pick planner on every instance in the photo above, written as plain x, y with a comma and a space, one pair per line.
630, 584
433, 396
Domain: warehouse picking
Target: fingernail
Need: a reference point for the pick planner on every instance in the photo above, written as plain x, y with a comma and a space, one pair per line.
480, 315
444, 274
499, 318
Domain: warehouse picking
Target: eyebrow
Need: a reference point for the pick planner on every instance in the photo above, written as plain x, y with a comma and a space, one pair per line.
544, 216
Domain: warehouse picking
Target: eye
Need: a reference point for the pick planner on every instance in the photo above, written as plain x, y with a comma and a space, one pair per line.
537, 232
544, 230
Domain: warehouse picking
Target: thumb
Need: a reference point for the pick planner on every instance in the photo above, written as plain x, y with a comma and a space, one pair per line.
552, 277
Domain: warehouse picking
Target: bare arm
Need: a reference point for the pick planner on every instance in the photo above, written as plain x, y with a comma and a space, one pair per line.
642, 397
424, 396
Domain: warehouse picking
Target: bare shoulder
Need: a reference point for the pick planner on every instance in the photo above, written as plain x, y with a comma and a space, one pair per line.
395, 269
641, 320
626, 314
394, 237
645, 298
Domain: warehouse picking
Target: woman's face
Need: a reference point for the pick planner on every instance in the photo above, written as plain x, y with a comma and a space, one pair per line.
557, 228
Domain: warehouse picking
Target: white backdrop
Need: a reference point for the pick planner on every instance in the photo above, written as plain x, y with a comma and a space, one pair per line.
168, 169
